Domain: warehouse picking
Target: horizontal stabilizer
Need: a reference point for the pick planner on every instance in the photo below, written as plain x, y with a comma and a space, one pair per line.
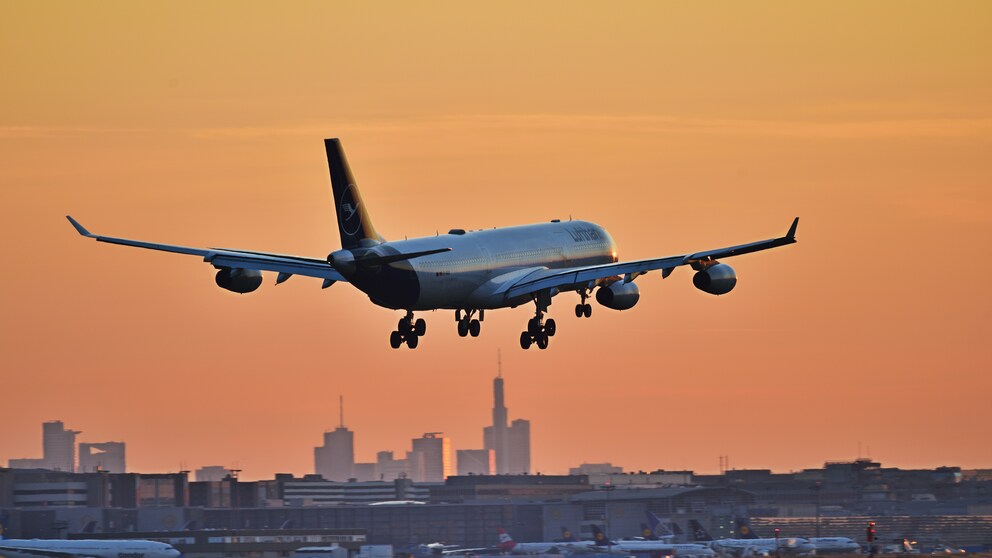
374, 260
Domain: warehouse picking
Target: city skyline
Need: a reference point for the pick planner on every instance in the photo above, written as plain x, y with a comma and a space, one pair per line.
672, 126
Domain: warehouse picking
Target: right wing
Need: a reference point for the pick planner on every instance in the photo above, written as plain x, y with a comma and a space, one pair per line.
225, 257
45, 553
585, 277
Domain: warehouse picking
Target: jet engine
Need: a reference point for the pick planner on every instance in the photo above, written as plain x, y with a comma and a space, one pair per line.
618, 296
239, 280
717, 279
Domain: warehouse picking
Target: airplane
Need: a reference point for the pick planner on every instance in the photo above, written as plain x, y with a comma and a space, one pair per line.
749, 546
835, 545
649, 530
510, 546
465, 271
85, 548
651, 546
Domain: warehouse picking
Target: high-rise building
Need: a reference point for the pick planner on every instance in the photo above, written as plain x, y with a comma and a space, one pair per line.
104, 456
476, 462
59, 446
436, 450
510, 443
335, 460
519, 447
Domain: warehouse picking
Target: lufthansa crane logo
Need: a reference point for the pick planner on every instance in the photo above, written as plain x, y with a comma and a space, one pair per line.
348, 212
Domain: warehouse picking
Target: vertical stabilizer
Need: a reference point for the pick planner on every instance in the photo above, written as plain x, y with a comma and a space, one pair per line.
354, 223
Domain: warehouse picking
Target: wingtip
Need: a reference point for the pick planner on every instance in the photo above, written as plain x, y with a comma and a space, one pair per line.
792, 230
79, 228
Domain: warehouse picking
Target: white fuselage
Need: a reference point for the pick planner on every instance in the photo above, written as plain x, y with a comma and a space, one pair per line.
792, 545
479, 262
11, 548
843, 545
662, 547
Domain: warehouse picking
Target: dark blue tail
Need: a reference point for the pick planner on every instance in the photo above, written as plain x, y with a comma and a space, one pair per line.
650, 531
599, 536
744, 530
699, 533
566, 535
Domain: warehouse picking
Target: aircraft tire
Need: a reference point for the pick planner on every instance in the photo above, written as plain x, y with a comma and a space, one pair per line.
420, 327
534, 327
474, 327
412, 341
395, 339
403, 326
542, 341
579, 309
587, 310
550, 327
524, 340
462, 328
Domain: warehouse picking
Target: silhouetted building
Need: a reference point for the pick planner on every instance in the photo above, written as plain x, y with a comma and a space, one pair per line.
211, 473
104, 456
436, 451
59, 446
511, 444
335, 460
476, 462
519, 447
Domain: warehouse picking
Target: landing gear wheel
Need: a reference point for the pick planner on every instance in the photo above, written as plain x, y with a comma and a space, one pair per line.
403, 326
412, 341
587, 310
542, 341
534, 327
524, 340
474, 327
550, 327
420, 327
463, 328
579, 310
395, 339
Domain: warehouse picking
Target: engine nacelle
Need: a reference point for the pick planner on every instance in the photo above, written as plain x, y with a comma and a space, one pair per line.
618, 296
239, 280
717, 279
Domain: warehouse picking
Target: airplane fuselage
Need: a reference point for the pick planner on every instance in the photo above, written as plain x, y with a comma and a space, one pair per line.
35, 548
469, 276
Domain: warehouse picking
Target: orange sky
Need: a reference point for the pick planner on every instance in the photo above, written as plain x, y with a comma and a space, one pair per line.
678, 128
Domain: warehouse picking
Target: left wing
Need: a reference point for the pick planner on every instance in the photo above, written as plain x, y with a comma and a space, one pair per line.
45, 552
285, 265
579, 277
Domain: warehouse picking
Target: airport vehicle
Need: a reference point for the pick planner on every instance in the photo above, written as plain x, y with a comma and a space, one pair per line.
468, 272
51, 548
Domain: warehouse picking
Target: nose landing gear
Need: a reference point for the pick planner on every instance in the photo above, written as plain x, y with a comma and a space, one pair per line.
408, 331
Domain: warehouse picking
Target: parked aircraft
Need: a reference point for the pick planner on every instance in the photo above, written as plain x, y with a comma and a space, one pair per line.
510, 546
651, 546
468, 272
752, 546
52, 548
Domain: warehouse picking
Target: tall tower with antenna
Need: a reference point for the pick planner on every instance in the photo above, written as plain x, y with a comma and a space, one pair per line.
510, 443
335, 460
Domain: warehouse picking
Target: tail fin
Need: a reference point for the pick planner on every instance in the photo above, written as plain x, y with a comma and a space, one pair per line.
566, 535
647, 533
673, 527
744, 530
652, 527
698, 532
354, 223
599, 536
506, 542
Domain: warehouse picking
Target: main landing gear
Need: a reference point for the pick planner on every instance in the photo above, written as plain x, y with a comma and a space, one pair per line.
583, 309
538, 331
408, 331
467, 325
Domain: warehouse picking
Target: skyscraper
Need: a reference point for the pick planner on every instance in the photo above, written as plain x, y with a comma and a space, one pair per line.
511, 444
105, 456
59, 446
476, 462
335, 460
436, 450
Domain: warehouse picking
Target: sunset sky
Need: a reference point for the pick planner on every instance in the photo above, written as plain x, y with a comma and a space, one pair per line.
677, 126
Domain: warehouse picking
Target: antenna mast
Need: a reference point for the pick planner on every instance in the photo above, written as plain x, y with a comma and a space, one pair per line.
341, 409
499, 363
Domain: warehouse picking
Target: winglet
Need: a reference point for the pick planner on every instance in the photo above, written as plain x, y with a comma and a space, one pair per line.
79, 228
791, 235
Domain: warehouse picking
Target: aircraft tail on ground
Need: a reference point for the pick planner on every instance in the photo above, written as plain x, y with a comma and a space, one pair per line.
656, 524
698, 532
354, 223
744, 530
600, 537
566, 535
506, 542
